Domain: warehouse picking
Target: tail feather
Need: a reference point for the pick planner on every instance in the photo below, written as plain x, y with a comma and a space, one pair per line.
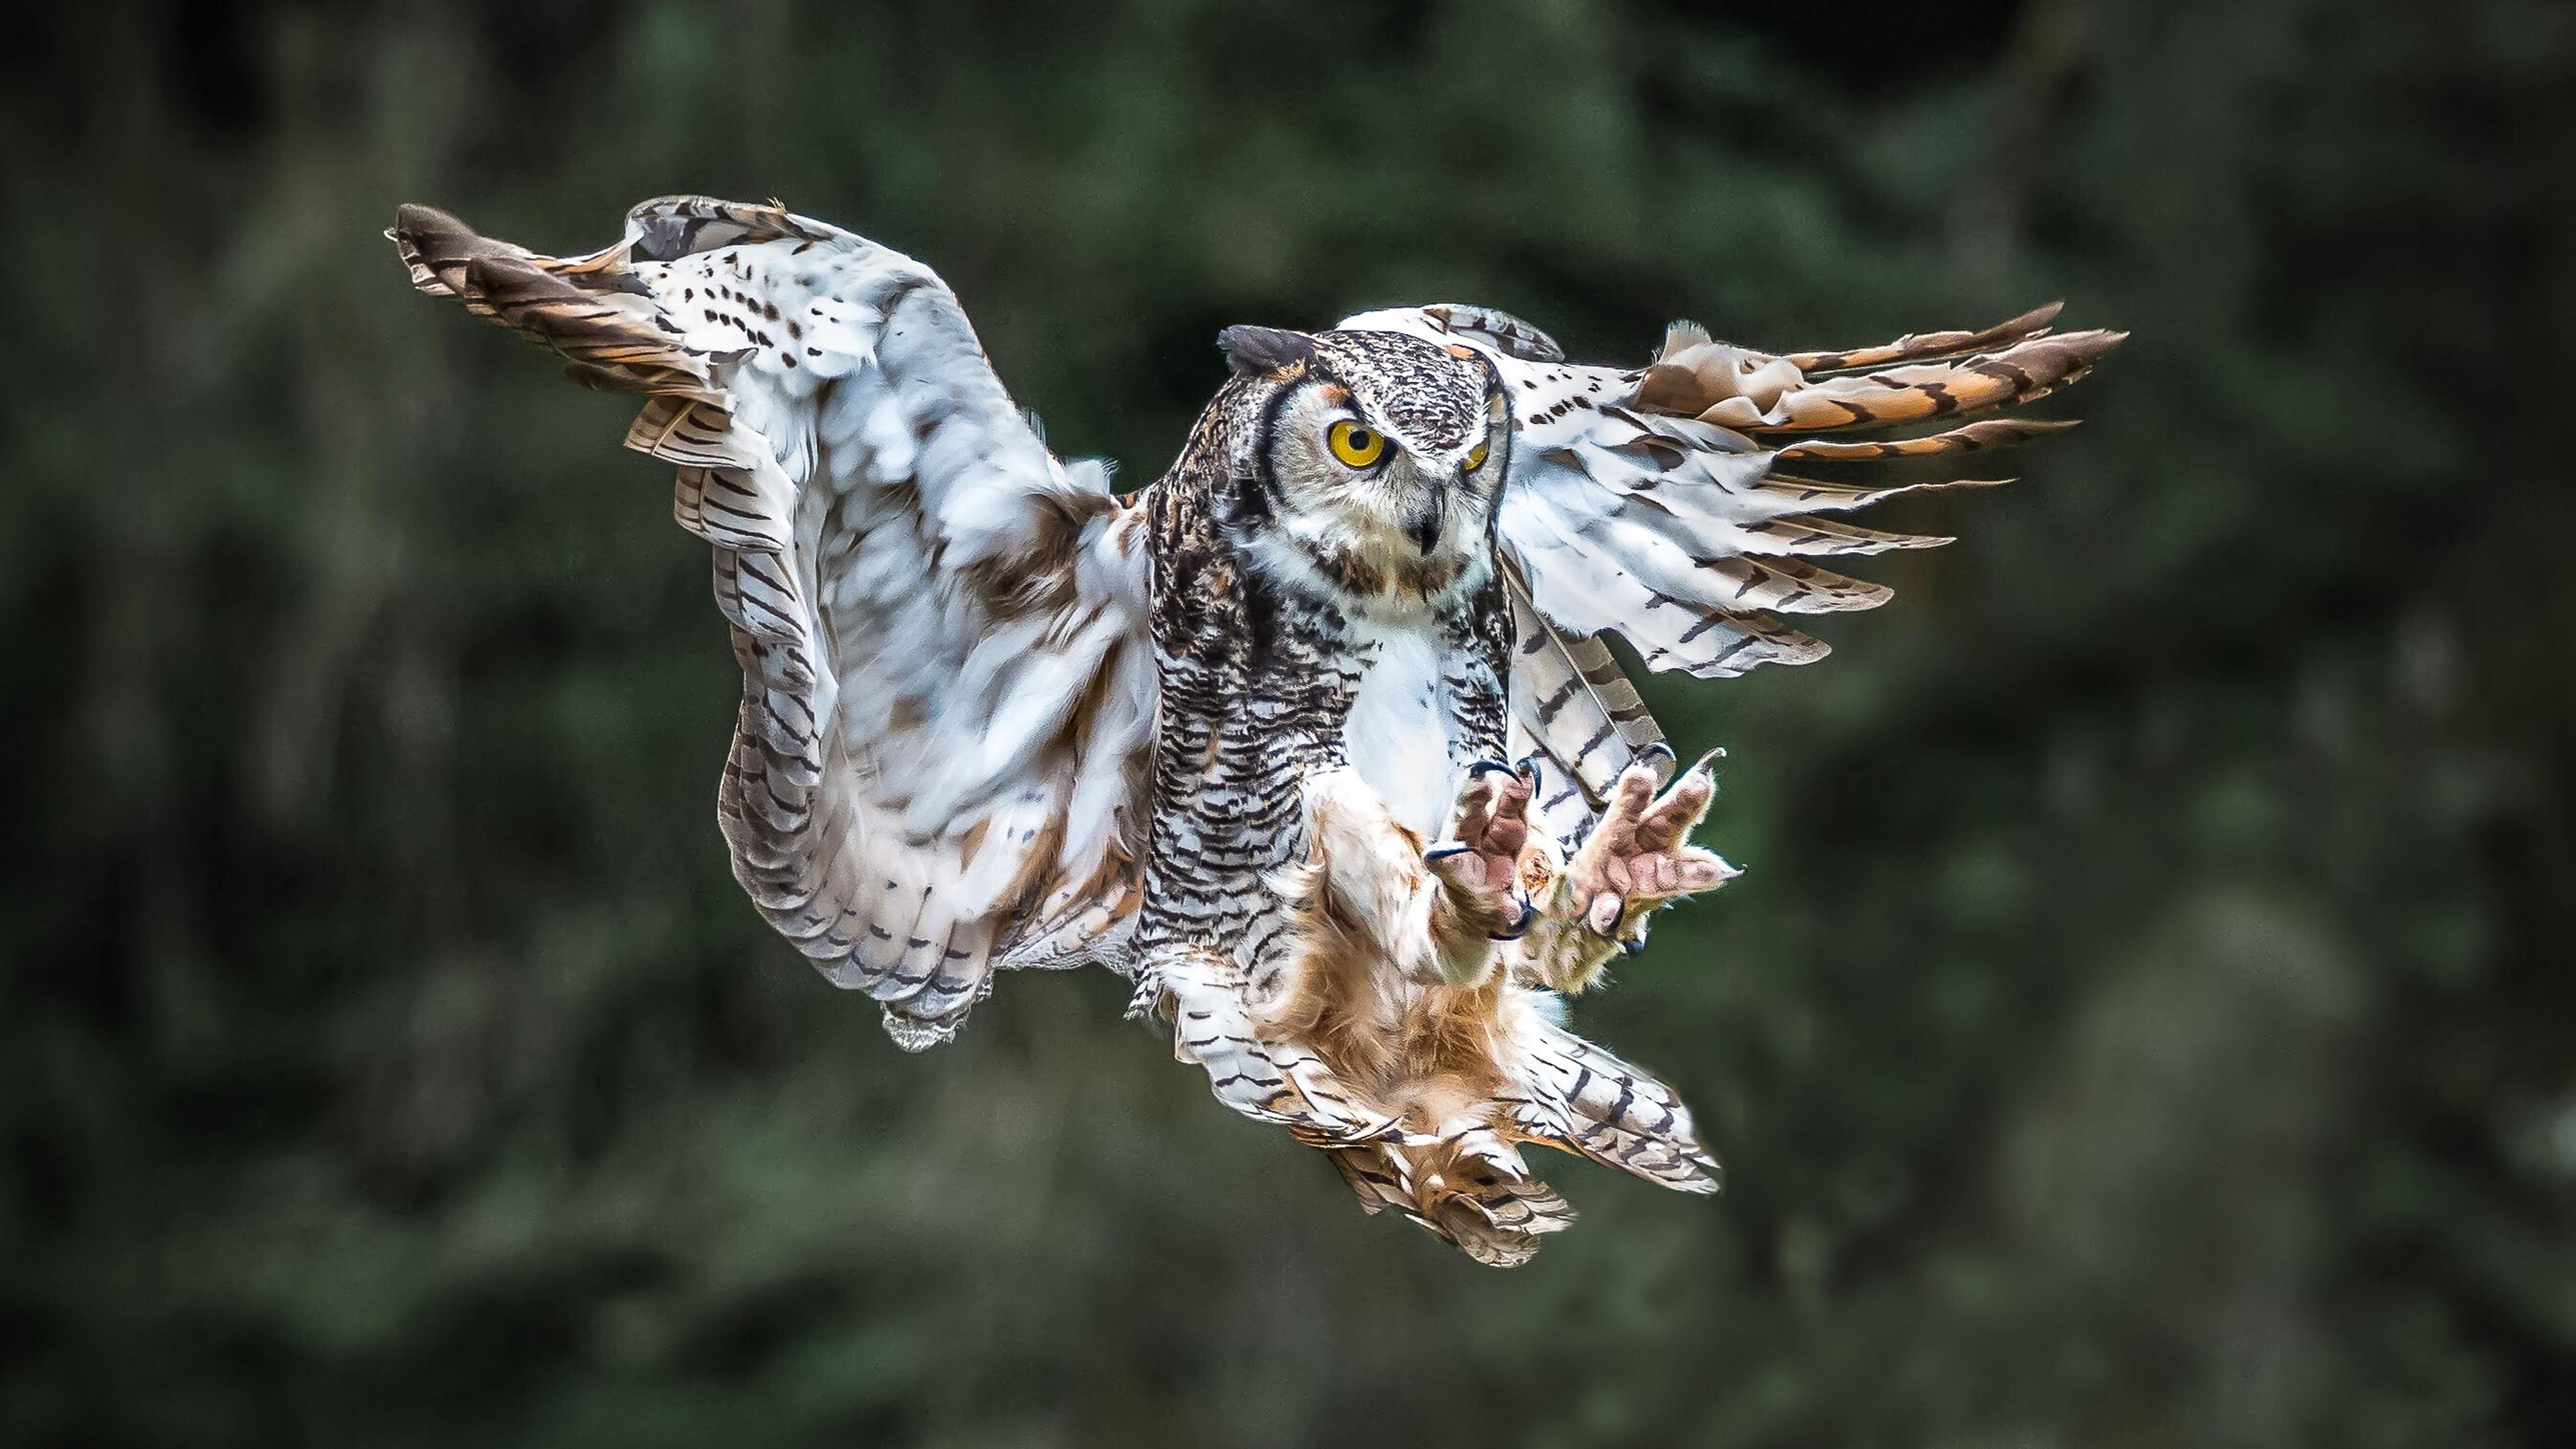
1470, 1188
1467, 1183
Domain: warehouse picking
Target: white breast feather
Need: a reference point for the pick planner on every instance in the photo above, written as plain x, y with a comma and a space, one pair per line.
1397, 736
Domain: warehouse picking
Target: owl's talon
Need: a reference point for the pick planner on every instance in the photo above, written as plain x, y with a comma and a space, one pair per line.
1478, 860
1640, 854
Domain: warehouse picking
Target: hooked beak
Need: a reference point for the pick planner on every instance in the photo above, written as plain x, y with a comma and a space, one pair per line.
1422, 521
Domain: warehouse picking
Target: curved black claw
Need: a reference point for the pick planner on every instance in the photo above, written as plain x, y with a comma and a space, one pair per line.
1527, 768
1482, 768
1521, 923
1443, 852
1658, 748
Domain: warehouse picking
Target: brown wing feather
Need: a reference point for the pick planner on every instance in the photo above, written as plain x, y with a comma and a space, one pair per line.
1920, 346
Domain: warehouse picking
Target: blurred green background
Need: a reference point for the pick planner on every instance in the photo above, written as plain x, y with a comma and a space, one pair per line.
2147, 1020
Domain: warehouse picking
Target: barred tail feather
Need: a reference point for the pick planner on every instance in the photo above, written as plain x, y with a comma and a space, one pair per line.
1469, 1187
1467, 1183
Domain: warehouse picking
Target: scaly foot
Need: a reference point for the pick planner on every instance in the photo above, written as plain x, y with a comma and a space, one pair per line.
1640, 854
1478, 865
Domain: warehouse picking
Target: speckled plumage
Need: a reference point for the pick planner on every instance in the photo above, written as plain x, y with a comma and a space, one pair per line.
1242, 736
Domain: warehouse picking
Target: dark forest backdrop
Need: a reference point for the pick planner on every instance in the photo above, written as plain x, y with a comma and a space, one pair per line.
2148, 1019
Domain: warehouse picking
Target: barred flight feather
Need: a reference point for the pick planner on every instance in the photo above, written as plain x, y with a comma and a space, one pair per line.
1586, 1100
1468, 1185
1925, 346
1572, 707
1648, 502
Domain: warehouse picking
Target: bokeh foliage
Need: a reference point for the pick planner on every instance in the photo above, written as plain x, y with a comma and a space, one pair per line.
2147, 1020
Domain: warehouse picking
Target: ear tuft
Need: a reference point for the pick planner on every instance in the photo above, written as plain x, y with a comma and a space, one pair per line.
1252, 350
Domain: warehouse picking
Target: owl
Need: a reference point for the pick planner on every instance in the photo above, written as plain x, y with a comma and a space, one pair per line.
1316, 740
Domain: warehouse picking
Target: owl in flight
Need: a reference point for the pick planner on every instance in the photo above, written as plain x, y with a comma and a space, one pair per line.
1315, 740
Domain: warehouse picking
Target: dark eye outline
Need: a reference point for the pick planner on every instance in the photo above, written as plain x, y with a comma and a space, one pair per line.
1337, 441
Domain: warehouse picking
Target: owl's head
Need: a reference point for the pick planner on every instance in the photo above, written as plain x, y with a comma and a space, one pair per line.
1371, 462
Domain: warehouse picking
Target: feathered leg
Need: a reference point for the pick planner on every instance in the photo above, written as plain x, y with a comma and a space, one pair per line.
1492, 864
1433, 915
1262, 1073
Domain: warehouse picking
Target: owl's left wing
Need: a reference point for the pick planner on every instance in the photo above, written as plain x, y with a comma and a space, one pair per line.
1662, 503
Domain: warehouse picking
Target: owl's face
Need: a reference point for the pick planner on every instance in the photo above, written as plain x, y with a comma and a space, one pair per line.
1378, 459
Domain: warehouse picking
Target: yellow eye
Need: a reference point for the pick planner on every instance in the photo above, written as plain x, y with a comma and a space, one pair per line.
1476, 456
1355, 445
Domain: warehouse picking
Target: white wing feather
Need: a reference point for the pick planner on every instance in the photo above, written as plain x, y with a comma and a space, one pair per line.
948, 687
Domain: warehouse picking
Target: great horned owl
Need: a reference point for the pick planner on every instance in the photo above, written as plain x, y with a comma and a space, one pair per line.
1315, 740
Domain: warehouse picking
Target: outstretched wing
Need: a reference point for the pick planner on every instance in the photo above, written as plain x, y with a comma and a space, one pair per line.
947, 686
1663, 503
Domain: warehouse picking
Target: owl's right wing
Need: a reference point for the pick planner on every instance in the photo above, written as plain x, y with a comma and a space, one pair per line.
1669, 504
948, 689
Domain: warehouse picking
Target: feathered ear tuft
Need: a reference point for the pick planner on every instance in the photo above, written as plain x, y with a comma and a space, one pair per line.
1253, 350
